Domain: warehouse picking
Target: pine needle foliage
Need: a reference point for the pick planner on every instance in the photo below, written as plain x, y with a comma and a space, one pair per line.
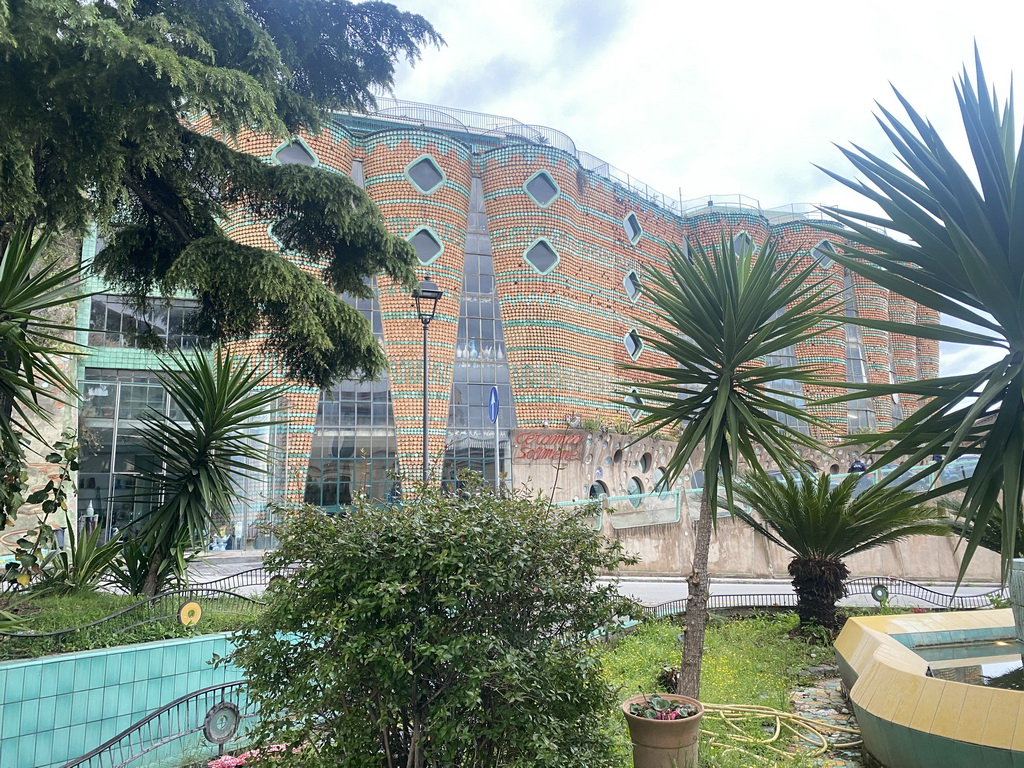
98, 124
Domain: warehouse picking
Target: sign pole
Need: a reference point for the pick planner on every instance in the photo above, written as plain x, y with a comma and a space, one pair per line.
492, 413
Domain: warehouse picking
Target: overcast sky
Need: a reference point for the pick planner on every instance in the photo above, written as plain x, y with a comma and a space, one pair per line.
699, 98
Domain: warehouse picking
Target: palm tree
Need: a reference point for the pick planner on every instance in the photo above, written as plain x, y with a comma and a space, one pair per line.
201, 453
720, 312
821, 525
953, 242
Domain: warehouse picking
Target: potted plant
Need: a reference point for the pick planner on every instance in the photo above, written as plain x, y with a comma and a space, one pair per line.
664, 729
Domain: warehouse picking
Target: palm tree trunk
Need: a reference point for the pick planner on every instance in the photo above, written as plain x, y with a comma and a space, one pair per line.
152, 583
696, 616
819, 584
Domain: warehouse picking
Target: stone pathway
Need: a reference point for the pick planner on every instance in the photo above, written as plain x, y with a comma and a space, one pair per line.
824, 702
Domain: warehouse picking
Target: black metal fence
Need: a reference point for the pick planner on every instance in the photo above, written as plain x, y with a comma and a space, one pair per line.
211, 718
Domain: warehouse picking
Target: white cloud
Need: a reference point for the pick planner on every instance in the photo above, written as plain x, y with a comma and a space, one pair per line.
713, 98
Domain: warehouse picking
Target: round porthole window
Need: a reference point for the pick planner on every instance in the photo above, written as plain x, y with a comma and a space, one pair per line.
646, 461
635, 490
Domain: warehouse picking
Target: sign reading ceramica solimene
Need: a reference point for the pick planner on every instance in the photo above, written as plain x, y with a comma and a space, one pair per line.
540, 445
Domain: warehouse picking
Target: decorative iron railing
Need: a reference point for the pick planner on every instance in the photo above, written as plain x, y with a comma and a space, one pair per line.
187, 605
879, 587
218, 713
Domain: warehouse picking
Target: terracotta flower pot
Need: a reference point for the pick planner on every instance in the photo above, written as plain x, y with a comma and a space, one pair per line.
664, 743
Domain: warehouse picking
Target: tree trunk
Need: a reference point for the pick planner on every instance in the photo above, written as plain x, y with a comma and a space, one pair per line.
696, 616
152, 583
819, 585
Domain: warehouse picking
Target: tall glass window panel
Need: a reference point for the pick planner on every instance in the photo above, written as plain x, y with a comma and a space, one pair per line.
354, 447
794, 391
480, 362
861, 412
113, 322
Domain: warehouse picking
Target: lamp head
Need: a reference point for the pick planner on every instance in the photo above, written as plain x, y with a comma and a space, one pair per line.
426, 295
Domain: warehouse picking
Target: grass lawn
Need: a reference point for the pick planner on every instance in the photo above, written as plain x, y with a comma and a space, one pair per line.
746, 661
48, 614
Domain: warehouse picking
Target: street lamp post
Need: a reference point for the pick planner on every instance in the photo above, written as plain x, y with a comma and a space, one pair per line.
426, 296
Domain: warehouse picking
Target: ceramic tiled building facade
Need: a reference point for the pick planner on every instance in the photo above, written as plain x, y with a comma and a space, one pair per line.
540, 250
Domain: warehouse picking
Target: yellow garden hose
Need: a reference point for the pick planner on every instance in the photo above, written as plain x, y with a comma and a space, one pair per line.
809, 735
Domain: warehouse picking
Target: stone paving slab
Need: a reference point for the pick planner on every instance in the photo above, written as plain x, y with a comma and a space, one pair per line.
823, 701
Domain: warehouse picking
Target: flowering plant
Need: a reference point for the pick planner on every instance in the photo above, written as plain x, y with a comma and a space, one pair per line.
236, 761
657, 708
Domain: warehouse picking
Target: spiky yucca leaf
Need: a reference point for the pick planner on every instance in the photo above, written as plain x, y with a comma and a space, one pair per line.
30, 340
958, 248
720, 313
203, 451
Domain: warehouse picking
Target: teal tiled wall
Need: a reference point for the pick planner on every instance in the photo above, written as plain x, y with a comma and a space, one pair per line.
57, 708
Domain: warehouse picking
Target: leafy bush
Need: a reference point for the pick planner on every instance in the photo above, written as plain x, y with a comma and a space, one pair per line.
452, 631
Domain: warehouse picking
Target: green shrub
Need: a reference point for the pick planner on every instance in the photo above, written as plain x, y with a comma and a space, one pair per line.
452, 631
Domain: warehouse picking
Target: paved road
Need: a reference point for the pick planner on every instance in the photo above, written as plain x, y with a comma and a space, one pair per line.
652, 591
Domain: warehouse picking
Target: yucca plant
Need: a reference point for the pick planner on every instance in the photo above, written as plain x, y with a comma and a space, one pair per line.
201, 454
954, 242
821, 526
79, 568
31, 341
720, 312
131, 570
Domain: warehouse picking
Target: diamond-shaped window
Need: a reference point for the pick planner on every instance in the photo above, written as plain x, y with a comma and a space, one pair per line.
541, 256
633, 343
632, 226
426, 245
822, 253
425, 174
632, 285
743, 245
294, 153
633, 403
541, 188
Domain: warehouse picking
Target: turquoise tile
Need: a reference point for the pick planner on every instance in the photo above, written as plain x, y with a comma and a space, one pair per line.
10, 724
47, 680
59, 742
81, 739
46, 716
124, 703
80, 707
154, 694
63, 713
99, 703
26, 752
126, 672
44, 752
65, 673
13, 684
29, 716
112, 669
98, 672
32, 682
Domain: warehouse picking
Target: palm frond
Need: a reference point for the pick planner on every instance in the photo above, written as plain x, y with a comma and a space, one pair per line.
719, 314
808, 516
206, 448
31, 342
956, 249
